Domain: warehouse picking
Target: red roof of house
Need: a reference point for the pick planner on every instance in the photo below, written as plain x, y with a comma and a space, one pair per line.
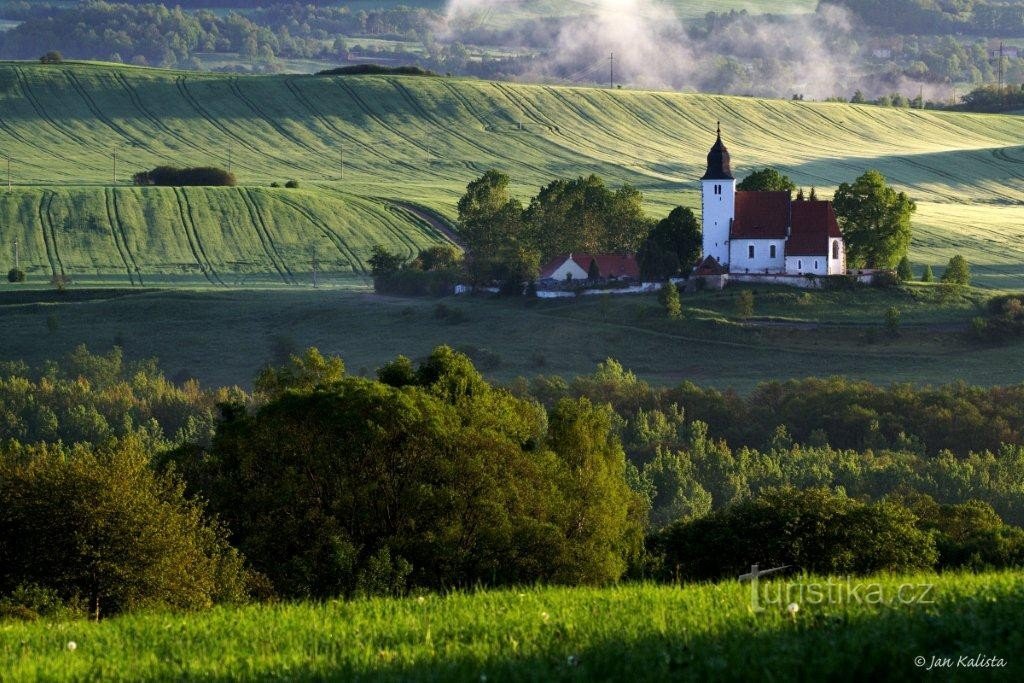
761, 215
814, 222
608, 265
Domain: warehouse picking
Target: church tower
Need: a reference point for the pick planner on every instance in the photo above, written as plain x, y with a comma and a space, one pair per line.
718, 202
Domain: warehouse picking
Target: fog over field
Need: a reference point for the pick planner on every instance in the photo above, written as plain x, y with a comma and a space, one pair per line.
810, 53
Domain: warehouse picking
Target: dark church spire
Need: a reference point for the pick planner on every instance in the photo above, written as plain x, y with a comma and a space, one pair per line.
719, 167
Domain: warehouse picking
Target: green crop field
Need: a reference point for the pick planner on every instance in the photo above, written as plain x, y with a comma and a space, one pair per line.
638, 632
419, 141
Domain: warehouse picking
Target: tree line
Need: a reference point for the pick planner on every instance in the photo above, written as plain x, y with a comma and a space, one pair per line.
323, 484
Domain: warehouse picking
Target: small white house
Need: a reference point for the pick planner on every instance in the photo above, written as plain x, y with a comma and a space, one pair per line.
578, 267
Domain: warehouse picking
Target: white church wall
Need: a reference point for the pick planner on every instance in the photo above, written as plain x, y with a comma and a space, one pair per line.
807, 265
837, 249
740, 260
718, 208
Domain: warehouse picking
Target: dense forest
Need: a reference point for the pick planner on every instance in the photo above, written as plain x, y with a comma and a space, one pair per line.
980, 17
320, 483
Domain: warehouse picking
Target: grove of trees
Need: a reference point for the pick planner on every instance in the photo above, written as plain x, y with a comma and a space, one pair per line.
121, 490
875, 219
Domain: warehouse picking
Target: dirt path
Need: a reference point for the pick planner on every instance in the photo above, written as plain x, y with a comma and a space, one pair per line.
434, 220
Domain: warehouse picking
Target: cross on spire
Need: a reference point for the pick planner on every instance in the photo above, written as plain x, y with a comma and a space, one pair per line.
719, 129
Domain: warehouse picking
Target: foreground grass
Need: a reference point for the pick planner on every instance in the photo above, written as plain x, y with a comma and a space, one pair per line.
700, 632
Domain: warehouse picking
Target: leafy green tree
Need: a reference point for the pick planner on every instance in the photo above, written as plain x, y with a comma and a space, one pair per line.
438, 257
814, 529
490, 223
15, 275
766, 180
875, 220
672, 245
584, 215
301, 373
904, 271
745, 304
892, 321
98, 526
431, 479
670, 300
958, 272
928, 276
383, 262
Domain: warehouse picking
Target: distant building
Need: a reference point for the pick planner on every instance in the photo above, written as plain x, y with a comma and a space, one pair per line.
578, 267
766, 232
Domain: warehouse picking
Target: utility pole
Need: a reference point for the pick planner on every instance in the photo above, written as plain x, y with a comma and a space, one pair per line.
1001, 94
8, 172
611, 71
115, 167
230, 148
920, 97
315, 265
341, 151
16, 259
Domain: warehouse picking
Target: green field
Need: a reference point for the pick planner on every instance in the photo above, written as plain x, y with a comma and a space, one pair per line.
638, 632
420, 141
224, 336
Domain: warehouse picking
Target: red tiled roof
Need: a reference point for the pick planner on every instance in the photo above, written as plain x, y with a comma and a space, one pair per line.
813, 224
608, 265
761, 215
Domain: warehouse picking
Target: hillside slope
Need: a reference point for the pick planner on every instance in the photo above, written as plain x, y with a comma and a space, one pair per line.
355, 142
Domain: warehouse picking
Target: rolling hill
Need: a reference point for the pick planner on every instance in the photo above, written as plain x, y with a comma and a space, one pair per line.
368, 151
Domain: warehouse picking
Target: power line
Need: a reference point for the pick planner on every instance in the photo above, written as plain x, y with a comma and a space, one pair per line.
611, 71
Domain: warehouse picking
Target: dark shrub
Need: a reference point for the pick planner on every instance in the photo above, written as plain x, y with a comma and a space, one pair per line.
170, 176
292, 184
52, 57
376, 69
15, 275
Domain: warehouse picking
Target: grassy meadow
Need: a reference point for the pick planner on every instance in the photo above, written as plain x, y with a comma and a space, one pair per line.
640, 632
223, 336
358, 145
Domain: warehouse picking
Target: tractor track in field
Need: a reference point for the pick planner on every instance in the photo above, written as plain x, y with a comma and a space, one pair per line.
260, 226
328, 232
450, 129
40, 111
46, 215
117, 232
585, 118
182, 86
944, 174
237, 92
371, 202
574, 143
45, 226
192, 235
94, 108
304, 100
649, 125
136, 100
431, 218
366, 110
475, 114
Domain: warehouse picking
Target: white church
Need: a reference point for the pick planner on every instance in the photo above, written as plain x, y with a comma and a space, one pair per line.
766, 232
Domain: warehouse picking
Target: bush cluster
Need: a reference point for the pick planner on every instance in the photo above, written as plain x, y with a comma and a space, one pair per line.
170, 176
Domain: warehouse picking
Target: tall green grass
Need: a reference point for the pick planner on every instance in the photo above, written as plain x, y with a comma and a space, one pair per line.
697, 632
